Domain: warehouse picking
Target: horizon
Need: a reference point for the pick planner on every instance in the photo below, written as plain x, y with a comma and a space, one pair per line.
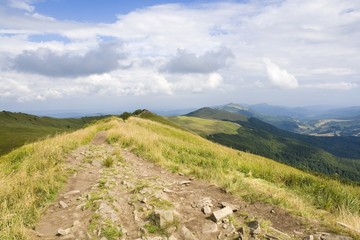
67, 56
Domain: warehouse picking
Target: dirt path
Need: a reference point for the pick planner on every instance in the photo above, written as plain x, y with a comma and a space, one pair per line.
135, 199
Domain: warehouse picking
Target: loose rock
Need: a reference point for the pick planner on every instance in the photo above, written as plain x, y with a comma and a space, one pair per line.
185, 182
255, 228
63, 232
163, 217
63, 204
220, 214
206, 210
209, 227
187, 234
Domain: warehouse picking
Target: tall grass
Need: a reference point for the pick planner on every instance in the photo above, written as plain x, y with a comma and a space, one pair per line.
31, 176
250, 176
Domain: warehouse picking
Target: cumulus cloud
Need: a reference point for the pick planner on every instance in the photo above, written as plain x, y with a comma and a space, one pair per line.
280, 77
210, 61
47, 62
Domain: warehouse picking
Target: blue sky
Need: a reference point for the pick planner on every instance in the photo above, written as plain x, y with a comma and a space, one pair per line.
123, 55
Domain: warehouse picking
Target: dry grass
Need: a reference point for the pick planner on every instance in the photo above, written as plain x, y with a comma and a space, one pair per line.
252, 177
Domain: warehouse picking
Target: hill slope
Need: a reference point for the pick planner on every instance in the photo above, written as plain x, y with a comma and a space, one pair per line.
305, 152
19, 128
32, 175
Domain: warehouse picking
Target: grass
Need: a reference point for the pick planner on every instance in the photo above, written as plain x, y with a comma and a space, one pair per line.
108, 162
253, 177
111, 231
205, 126
31, 176
16, 129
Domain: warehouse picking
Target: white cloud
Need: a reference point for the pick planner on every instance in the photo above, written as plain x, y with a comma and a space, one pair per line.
210, 61
43, 61
280, 77
21, 4
316, 41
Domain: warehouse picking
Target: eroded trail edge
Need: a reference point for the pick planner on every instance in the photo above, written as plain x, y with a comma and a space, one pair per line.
113, 194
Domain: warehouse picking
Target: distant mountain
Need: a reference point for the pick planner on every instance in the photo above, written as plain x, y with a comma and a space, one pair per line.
19, 128
318, 154
341, 113
316, 121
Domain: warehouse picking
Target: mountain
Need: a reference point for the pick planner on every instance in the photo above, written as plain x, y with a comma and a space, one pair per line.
316, 121
19, 128
122, 176
331, 156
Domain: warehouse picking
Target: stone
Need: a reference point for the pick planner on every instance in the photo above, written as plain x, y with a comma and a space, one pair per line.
225, 220
166, 190
234, 208
220, 214
163, 217
255, 228
63, 204
185, 182
241, 231
144, 190
187, 234
136, 215
225, 226
80, 206
206, 210
76, 223
63, 232
73, 192
209, 227
172, 238
181, 174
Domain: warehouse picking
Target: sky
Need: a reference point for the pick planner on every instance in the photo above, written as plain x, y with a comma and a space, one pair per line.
71, 55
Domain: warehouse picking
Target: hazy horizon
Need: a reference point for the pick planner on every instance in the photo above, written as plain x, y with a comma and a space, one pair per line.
163, 55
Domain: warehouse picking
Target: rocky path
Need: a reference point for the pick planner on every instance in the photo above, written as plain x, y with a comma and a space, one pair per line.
116, 195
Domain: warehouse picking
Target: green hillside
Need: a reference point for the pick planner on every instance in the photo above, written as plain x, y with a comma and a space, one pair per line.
205, 126
300, 151
19, 128
32, 175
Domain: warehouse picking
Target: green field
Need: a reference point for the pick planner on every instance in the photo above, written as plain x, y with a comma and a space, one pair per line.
16, 129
